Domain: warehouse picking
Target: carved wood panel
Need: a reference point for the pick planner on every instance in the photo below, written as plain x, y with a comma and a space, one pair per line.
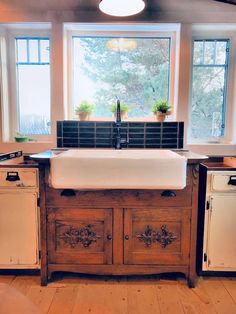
163, 236
156, 236
74, 237
80, 235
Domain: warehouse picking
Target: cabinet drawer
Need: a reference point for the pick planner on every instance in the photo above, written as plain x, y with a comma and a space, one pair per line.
18, 178
121, 198
223, 182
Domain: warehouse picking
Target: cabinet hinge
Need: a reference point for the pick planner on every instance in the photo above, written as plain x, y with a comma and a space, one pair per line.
207, 205
39, 255
38, 201
205, 257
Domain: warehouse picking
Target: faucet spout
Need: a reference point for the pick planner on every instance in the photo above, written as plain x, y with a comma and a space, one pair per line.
119, 140
118, 114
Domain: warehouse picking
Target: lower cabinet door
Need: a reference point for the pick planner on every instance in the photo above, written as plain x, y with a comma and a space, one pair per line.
79, 236
18, 230
157, 236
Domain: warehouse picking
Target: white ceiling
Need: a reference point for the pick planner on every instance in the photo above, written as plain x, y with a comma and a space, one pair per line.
154, 5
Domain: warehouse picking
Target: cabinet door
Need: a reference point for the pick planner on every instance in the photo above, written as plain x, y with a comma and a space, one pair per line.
157, 236
79, 236
221, 244
18, 230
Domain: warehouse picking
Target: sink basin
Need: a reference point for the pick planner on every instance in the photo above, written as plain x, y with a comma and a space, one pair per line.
118, 169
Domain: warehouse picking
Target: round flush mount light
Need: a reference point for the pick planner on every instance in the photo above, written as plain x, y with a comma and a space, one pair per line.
121, 7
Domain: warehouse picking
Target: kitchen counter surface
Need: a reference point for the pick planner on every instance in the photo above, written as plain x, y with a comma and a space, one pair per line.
218, 166
45, 156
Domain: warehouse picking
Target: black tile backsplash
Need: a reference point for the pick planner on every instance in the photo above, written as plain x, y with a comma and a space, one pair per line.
103, 134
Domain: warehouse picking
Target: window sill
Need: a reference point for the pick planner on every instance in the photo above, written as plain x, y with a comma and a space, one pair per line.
145, 119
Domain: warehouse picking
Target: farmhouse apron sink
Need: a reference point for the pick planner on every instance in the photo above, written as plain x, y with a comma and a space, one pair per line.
118, 169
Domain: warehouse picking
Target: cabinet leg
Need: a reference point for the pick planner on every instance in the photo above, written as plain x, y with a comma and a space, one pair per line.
192, 281
44, 277
44, 281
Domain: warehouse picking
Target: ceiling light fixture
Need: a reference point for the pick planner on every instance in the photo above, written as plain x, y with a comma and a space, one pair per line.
121, 7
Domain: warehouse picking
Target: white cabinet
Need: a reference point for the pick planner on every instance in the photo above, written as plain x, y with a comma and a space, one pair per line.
219, 251
19, 247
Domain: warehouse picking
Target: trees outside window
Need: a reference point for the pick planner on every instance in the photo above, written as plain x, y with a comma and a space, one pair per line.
134, 69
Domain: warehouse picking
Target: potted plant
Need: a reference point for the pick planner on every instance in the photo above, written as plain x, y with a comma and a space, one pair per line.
161, 108
123, 110
84, 110
21, 138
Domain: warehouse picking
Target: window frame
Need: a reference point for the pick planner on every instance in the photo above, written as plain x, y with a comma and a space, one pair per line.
226, 78
229, 137
110, 30
11, 36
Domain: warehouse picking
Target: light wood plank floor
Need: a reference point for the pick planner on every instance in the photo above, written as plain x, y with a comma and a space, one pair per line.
134, 295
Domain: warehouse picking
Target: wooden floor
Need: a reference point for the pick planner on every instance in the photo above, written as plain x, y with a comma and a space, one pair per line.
133, 295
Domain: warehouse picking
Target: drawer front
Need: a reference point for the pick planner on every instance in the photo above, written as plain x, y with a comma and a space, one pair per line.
223, 182
121, 198
18, 178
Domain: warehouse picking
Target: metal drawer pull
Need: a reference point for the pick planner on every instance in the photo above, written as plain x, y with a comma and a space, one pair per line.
12, 176
232, 180
68, 193
109, 237
168, 193
126, 237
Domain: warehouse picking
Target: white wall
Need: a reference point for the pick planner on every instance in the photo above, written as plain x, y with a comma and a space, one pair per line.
58, 12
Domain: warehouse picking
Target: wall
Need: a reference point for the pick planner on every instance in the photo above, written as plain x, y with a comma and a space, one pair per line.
165, 11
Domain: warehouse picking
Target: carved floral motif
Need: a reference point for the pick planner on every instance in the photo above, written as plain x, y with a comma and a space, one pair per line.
162, 236
73, 236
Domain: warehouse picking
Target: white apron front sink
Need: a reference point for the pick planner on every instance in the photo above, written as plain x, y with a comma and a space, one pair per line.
118, 169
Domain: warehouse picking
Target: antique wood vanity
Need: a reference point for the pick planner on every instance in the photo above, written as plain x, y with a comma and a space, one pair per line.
118, 232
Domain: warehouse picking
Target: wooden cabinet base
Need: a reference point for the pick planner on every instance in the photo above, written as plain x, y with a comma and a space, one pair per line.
119, 232
120, 270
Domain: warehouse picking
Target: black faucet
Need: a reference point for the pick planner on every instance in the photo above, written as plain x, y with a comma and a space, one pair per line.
119, 140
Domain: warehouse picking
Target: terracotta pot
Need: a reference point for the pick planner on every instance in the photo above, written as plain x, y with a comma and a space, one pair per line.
123, 115
160, 116
84, 116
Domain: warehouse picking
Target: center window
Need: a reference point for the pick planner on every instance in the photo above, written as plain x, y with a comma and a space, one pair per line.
135, 70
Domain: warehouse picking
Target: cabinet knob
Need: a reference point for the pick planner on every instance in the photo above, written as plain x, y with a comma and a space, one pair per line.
109, 237
126, 237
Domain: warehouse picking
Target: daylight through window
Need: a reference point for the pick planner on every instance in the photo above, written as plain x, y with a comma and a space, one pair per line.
134, 69
33, 85
209, 82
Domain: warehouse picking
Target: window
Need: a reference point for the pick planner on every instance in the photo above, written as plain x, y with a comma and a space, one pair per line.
209, 87
134, 69
33, 85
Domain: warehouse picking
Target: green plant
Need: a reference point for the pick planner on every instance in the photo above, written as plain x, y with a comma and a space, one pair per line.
162, 106
21, 138
123, 108
84, 106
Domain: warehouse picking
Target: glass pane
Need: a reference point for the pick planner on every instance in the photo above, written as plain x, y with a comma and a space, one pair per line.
33, 51
21, 50
209, 52
207, 114
34, 99
136, 70
221, 52
44, 51
198, 52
